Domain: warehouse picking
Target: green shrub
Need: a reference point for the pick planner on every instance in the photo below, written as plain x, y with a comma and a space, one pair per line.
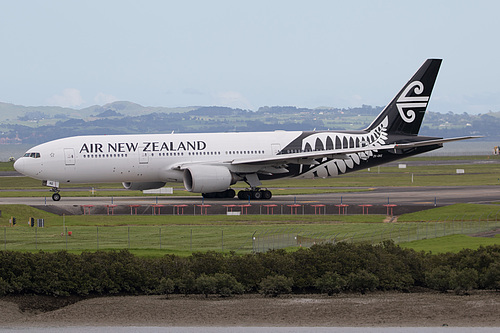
166, 286
206, 284
186, 283
491, 279
4, 287
226, 285
465, 280
329, 268
440, 278
275, 285
331, 283
362, 281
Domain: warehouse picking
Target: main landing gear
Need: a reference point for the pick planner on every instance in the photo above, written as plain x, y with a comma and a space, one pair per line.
256, 194
227, 194
253, 193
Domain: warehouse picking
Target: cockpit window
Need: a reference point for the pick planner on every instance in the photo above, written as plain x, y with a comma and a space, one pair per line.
32, 155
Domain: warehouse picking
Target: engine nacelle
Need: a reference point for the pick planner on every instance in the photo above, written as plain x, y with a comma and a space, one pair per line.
142, 186
207, 178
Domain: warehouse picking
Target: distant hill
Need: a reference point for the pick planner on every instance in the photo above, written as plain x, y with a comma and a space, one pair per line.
36, 125
11, 112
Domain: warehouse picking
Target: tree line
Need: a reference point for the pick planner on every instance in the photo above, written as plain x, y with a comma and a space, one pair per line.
223, 119
326, 268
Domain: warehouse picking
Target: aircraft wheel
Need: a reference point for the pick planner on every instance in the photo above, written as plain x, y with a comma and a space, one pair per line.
243, 195
266, 194
56, 197
230, 193
257, 195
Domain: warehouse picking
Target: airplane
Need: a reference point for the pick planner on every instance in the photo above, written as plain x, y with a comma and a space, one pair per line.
210, 163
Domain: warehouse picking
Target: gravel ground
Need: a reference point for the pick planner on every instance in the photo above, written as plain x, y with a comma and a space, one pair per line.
481, 309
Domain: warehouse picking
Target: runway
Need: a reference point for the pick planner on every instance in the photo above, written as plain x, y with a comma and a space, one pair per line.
404, 199
444, 195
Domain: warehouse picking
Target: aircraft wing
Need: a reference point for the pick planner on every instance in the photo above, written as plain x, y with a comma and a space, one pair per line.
310, 157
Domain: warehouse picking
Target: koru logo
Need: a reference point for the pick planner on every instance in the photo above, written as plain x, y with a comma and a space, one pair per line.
407, 103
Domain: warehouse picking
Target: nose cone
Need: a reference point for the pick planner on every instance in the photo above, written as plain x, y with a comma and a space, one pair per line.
19, 165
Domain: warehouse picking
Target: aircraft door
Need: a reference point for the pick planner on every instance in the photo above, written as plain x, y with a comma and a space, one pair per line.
143, 157
275, 148
69, 156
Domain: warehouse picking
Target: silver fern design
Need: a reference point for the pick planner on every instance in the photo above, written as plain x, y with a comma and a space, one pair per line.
329, 140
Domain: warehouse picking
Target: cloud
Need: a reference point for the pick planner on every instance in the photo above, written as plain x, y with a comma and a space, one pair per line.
192, 91
70, 97
232, 99
102, 99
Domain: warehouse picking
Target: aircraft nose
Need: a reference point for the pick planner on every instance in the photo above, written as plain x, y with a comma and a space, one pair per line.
19, 165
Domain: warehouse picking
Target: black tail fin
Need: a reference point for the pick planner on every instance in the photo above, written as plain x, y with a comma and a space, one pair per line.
406, 111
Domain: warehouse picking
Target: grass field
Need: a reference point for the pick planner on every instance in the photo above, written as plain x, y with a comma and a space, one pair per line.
437, 230
159, 235
452, 243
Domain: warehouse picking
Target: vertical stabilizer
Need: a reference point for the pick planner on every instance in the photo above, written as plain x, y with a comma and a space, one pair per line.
404, 114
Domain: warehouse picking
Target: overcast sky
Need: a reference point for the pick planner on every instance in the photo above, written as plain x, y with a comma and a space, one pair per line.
247, 54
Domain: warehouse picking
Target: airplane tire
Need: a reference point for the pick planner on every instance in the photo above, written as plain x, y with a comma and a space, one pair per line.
266, 194
257, 195
243, 195
230, 193
56, 197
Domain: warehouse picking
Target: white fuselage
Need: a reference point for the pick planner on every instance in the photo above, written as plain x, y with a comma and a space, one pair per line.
143, 158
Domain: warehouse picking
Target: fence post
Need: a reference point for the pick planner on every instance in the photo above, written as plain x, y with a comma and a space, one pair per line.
253, 241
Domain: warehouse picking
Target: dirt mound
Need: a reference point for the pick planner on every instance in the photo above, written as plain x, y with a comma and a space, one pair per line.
376, 309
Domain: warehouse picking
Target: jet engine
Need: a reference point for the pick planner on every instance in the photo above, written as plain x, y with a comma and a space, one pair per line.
207, 178
142, 186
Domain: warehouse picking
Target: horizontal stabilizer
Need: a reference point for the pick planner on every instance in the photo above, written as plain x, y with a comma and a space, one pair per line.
432, 142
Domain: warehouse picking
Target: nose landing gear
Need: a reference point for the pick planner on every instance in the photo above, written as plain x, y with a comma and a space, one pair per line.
56, 196
55, 188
